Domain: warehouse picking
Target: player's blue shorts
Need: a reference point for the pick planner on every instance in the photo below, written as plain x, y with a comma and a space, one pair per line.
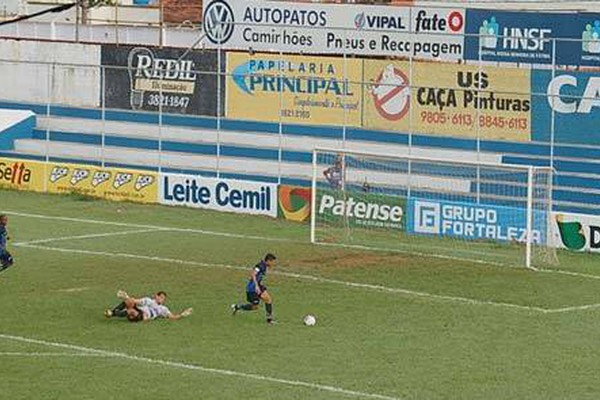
254, 297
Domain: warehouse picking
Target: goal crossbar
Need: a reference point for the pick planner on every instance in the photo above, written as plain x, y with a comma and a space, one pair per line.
410, 157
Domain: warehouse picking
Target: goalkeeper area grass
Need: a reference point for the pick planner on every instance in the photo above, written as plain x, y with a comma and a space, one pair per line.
389, 325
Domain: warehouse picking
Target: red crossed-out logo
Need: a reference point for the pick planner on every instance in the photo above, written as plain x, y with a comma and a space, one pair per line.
391, 93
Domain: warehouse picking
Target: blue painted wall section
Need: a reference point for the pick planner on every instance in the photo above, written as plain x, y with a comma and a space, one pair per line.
573, 100
20, 130
568, 186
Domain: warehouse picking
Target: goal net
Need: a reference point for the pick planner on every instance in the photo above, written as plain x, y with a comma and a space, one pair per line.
481, 212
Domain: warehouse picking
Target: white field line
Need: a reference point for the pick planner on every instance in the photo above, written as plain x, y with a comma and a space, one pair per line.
295, 276
570, 273
254, 237
39, 354
150, 227
574, 308
194, 367
419, 253
90, 236
73, 290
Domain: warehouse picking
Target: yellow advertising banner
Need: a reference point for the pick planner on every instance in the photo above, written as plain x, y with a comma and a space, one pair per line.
107, 183
21, 174
448, 99
294, 89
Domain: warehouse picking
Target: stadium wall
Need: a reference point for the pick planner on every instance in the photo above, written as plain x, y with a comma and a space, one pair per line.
34, 72
487, 102
14, 125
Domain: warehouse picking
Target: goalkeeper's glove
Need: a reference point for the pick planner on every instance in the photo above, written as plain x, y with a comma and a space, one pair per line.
187, 312
122, 294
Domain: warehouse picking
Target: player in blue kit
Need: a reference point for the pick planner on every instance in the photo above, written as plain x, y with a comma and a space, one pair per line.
256, 289
6, 259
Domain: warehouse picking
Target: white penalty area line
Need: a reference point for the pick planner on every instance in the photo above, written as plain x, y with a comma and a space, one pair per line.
151, 227
194, 367
44, 354
312, 278
90, 236
421, 254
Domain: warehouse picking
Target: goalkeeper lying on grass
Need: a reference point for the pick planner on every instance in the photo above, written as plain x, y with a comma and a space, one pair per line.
144, 308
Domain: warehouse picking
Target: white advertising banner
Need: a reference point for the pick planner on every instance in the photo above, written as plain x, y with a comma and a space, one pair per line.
230, 195
576, 232
426, 33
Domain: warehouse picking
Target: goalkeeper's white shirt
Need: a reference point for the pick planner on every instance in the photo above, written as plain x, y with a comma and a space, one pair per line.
156, 312
152, 309
147, 302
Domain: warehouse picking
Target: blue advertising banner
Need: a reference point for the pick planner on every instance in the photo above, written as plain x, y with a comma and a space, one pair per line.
513, 36
527, 37
588, 51
575, 99
473, 221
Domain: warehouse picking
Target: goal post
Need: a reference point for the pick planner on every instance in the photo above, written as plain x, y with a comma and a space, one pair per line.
482, 212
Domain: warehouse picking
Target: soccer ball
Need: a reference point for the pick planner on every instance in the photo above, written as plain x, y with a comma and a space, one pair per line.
310, 320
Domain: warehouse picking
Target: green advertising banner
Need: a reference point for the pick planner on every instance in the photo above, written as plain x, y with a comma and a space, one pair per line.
361, 209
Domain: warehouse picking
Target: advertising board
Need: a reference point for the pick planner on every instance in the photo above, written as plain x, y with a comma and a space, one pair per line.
118, 184
296, 89
473, 221
171, 80
448, 99
576, 232
331, 29
243, 197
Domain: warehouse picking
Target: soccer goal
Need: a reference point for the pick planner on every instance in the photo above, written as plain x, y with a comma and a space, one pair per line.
457, 210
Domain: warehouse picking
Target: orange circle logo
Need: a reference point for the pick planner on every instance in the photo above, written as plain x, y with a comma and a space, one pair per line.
295, 203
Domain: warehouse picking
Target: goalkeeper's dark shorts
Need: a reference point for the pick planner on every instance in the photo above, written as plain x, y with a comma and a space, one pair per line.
6, 260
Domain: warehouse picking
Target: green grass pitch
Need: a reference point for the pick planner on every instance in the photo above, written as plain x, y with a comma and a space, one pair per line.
390, 326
